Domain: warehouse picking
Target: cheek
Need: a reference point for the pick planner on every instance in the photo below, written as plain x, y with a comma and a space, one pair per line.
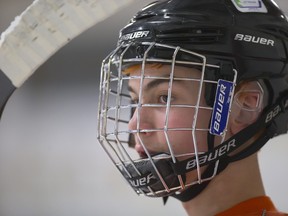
181, 118
182, 141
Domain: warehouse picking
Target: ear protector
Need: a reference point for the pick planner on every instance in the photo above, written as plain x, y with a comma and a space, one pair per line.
248, 102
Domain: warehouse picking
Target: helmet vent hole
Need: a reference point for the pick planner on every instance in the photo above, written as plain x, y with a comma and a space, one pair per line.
194, 35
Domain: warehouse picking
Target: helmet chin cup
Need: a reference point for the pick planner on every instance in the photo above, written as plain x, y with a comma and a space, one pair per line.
152, 176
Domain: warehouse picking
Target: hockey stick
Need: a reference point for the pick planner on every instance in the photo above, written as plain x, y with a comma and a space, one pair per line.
40, 31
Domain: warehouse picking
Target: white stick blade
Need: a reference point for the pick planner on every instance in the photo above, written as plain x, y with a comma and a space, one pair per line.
43, 28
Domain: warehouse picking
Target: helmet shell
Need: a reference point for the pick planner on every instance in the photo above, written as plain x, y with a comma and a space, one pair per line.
254, 42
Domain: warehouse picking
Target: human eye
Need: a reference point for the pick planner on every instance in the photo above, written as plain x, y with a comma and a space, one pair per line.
164, 99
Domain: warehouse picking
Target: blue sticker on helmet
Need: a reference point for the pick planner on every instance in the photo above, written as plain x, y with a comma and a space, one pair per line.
221, 107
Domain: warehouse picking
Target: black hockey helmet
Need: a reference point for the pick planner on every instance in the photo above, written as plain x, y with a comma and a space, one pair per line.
226, 39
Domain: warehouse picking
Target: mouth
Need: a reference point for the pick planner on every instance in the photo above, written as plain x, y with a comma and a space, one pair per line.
153, 155
147, 153
142, 155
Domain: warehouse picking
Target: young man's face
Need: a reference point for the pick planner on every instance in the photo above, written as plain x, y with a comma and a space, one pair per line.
172, 127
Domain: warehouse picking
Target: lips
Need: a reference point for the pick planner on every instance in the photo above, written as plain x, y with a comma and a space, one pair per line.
141, 152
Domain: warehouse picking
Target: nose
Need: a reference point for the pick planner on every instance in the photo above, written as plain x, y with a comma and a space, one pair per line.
142, 119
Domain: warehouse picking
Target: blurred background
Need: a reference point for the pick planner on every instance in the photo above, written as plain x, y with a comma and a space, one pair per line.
50, 160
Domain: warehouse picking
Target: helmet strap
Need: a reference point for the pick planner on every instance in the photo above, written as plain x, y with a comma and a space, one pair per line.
266, 121
193, 191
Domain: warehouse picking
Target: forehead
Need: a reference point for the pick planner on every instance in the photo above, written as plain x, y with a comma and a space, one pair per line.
157, 69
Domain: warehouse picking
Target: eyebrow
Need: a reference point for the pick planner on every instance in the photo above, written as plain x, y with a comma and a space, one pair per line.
155, 83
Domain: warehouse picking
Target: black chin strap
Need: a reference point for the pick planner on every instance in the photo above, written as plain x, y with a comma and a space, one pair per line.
221, 152
195, 190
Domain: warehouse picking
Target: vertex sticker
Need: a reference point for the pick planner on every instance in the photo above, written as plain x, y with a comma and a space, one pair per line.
221, 107
247, 6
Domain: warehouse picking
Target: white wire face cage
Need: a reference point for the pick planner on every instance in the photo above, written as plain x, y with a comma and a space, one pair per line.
152, 172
